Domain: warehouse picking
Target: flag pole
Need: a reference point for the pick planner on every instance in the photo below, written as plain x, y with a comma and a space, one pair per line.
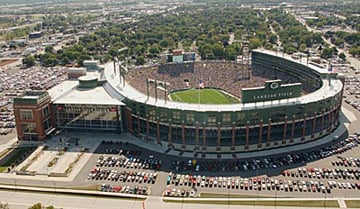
199, 91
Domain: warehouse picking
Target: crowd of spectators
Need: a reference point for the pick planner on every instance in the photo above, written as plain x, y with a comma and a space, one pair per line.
228, 76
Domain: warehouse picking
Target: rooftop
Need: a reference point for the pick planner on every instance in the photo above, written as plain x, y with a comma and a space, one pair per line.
68, 92
32, 97
288, 57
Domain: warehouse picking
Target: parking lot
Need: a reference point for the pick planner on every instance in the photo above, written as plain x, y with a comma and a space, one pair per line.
14, 81
331, 178
331, 171
351, 88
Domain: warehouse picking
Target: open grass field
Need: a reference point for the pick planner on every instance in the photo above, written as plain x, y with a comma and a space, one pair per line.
13, 156
202, 96
289, 203
352, 203
217, 195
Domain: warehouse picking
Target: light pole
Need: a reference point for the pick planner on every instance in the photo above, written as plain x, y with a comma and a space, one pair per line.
325, 199
275, 199
257, 189
228, 197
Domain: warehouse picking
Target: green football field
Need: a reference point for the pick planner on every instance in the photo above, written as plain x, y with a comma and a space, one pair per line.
202, 96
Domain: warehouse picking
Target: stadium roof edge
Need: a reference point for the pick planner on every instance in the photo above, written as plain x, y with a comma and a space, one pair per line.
326, 91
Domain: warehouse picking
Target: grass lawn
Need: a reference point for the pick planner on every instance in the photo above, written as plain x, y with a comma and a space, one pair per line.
288, 203
352, 203
14, 156
207, 96
215, 195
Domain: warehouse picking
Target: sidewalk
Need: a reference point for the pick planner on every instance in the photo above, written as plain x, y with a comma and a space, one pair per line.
7, 145
157, 202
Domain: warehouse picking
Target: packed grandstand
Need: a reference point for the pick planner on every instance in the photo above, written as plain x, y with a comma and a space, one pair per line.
229, 76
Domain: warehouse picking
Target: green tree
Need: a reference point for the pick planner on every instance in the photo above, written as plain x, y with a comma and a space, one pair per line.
138, 50
29, 61
273, 39
154, 50
303, 47
269, 46
113, 52
40, 206
327, 53
140, 60
164, 43
342, 56
230, 53
65, 61
36, 206
48, 59
4, 206
290, 50
338, 41
254, 43
218, 51
354, 51
49, 49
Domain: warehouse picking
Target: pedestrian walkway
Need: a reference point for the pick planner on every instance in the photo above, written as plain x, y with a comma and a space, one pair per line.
8, 144
66, 201
342, 203
5, 146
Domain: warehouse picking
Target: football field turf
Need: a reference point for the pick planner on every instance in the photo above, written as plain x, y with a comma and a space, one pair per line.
202, 96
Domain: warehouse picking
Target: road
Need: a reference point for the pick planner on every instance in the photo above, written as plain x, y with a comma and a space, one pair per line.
353, 61
22, 200
278, 42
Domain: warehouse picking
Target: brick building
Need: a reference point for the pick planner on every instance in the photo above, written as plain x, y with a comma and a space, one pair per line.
33, 116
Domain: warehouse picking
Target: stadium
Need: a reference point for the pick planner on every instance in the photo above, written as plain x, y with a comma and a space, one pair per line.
205, 106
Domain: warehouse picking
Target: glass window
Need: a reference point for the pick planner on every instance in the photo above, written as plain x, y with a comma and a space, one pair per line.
255, 117
152, 114
190, 118
142, 111
176, 116
226, 119
240, 118
28, 128
212, 119
47, 124
163, 116
46, 111
26, 114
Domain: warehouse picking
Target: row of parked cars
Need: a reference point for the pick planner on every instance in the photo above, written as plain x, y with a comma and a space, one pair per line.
124, 176
5, 131
266, 163
346, 161
131, 162
140, 190
173, 192
324, 173
352, 90
258, 183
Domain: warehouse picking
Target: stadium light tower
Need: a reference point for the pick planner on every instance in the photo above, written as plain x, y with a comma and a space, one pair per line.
246, 56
